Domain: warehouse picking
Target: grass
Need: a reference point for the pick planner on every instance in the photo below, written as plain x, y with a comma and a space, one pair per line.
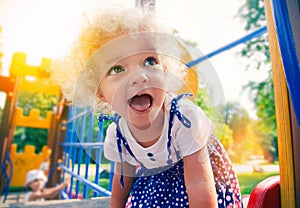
104, 183
248, 181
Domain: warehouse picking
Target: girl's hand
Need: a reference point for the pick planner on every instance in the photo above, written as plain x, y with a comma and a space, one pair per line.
199, 180
119, 194
67, 180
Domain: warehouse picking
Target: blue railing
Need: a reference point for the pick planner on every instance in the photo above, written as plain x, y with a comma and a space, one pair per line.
7, 176
84, 145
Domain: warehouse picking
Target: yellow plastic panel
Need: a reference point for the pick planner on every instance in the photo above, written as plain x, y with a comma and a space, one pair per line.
33, 120
39, 85
25, 161
20, 68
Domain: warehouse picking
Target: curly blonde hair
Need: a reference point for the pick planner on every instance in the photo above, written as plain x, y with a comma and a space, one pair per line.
107, 25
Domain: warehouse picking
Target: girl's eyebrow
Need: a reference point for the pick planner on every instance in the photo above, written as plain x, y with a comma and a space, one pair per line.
116, 59
113, 61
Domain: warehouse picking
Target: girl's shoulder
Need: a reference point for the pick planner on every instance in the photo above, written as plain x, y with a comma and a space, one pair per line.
185, 106
193, 114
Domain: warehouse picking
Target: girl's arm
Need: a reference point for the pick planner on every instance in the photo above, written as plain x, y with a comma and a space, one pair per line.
119, 195
199, 180
48, 193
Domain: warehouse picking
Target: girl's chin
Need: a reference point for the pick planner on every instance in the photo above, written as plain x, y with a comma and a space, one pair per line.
139, 118
144, 118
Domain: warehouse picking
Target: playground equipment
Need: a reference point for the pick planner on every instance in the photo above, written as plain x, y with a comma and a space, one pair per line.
266, 194
284, 29
57, 124
12, 117
25, 161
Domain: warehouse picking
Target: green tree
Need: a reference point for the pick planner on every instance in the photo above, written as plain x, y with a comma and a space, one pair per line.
222, 130
238, 120
1, 112
203, 101
30, 100
262, 93
214, 113
248, 137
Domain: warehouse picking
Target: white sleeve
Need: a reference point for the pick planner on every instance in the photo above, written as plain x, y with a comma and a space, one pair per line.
192, 139
110, 144
26, 197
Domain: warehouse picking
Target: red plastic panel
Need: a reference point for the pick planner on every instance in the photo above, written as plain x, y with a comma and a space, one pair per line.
266, 194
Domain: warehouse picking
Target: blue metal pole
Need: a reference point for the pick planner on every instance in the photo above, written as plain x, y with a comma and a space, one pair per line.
254, 34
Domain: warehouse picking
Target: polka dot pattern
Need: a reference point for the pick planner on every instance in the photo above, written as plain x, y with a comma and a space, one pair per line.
167, 189
226, 182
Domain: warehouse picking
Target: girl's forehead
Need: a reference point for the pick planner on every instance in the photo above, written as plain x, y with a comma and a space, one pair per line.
125, 46
132, 44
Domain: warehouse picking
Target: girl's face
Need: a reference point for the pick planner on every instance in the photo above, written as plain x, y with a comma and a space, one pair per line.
37, 184
135, 88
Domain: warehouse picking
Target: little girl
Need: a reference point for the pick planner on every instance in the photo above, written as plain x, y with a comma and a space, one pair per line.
165, 153
36, 181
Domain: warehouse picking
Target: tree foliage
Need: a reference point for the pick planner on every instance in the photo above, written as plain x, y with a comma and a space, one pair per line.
262, 93
238, 120
1, 113
257, 49
248, 139
214, 113
30, 100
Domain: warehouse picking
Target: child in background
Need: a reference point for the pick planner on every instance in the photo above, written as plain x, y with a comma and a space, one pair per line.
36, 181
126, 62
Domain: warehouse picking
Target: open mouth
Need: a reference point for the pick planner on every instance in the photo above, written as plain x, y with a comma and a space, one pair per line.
141, 103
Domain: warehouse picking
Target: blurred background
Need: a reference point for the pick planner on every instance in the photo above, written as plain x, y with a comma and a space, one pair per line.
44, 30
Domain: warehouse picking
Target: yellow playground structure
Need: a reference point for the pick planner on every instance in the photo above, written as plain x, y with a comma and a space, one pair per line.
13, 116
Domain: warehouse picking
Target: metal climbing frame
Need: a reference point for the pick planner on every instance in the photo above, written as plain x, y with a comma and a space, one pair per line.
82, 157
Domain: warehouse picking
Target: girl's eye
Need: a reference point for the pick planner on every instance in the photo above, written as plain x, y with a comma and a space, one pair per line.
115, 70
150, 61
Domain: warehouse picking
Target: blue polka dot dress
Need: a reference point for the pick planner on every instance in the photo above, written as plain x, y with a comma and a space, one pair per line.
167, 188
164, 187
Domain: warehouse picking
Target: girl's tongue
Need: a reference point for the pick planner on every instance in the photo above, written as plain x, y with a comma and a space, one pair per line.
141, 102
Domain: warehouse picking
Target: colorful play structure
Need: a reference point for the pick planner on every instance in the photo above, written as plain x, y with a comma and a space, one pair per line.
80, 152
62, 144
13, 116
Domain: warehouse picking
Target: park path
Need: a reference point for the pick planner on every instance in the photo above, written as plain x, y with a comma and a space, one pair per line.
16, 200
102, 202
248, 168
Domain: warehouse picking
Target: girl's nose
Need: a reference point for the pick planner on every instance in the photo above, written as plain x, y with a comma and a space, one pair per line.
138, 77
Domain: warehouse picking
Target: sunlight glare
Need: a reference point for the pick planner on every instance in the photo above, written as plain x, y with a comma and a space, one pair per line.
40, 28
43, 28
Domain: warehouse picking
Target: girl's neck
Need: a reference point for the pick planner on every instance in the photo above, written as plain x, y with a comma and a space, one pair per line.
148, 136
